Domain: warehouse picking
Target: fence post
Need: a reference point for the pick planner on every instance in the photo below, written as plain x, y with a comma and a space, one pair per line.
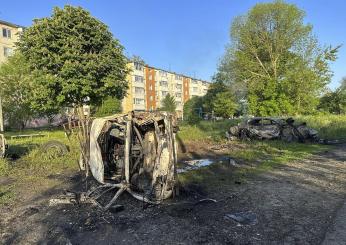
1, 117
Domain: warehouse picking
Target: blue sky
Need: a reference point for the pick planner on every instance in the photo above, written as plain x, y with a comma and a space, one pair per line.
185, 36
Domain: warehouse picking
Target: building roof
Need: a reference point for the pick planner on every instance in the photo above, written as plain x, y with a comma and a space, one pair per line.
179, 74
172, 72
10, 24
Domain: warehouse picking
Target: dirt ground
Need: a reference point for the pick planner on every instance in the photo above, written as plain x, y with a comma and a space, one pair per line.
296, 203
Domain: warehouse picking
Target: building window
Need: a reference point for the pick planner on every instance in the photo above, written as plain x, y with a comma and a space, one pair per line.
138, 101
195, 89
138, 66
164, 83
178, 95
178, 86
164, 93
139, 90
139, 79
150, 87
151, 98
7, 51
6, 33
178, 77
150, 77
163, 73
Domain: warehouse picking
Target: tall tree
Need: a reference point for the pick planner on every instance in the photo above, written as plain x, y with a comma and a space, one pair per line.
224, 105
16, 91
168, 104
79, 60
215, 88
334, 101
276, 61
192, 109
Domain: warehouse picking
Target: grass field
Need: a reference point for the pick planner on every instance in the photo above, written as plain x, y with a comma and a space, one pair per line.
328, 126
26, 165
205, 130
31, 166
260, 155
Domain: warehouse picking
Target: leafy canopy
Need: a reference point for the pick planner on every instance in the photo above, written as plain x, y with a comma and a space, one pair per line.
168, 104
224, 104
334, 101
274, 60
214, 89
109, 106
16, 91
78, 59
192, 109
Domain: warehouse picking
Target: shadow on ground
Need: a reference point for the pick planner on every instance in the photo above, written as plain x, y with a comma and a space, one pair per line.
294, 203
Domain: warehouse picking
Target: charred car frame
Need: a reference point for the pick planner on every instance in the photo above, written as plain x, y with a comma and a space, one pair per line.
273, 128
134, 152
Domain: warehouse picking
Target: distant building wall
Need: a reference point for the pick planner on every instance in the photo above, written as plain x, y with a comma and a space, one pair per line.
9, 35
148, 86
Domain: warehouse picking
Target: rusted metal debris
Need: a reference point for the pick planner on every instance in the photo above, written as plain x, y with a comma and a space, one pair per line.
134, 153
273, 128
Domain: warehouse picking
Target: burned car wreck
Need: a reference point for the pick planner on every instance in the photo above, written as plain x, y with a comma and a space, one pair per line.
134, 152
273, 128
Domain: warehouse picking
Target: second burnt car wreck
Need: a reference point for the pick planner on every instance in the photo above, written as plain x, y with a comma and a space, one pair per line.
273, 128
134, 152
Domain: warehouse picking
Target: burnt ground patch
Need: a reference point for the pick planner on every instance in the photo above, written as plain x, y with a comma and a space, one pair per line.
294, 203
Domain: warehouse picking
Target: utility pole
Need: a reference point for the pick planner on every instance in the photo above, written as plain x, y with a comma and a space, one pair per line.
1, 117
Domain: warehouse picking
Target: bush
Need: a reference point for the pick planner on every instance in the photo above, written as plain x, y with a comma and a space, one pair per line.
110, 106
191, 110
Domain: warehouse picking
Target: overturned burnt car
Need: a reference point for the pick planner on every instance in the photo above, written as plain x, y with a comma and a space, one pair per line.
273, 128
134, 152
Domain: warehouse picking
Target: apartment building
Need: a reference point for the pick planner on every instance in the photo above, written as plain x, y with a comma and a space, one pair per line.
9, 34
148, 86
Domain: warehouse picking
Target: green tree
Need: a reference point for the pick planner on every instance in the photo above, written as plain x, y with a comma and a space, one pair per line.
192, 109
168, 104
224, 105
343, 83
16, 91
334, 102
109, 106
79, 60
275, 60
214, 89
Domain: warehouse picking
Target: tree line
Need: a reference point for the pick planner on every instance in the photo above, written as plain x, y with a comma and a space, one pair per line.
273, 66
69, 59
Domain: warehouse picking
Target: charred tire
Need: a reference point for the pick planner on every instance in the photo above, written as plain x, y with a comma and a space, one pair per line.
59, 148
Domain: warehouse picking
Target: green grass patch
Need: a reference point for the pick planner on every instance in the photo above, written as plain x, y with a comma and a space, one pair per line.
329, 126
4, 167
7, 194
205, 130
30, 160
